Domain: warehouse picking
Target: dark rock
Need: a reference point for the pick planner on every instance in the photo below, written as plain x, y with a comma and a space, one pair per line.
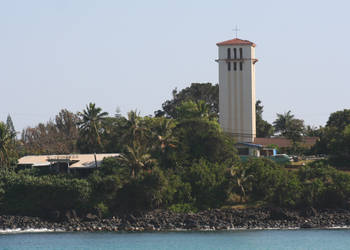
54, 215
309, 212
68, 215
278, 214
90, 217
307, 225
204, 220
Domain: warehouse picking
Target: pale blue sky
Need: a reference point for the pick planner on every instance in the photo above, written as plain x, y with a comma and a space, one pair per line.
132, 54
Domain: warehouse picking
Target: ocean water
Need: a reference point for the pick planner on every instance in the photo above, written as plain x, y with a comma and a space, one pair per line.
245, 239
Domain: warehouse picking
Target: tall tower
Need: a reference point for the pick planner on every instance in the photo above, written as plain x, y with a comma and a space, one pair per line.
237, 88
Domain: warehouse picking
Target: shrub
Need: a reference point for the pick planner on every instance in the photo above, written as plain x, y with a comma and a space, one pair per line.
147, 191
324, 186
208, 182
30, 195
183, 208
273, 183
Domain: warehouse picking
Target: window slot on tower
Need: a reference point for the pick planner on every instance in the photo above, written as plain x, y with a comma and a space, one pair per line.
228, 53
234, 66
241, 53
240, 66
235, 53
228, 66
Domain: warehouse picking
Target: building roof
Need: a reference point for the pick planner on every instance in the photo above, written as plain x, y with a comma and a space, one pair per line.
282, 142
236, 41
249, 145
75, 160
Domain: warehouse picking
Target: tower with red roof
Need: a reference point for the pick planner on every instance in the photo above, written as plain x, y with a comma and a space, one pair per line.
237, 88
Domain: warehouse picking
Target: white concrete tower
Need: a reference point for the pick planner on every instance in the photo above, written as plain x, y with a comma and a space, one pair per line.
237, 88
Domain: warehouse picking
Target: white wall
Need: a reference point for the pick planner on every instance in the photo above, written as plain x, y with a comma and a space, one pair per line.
237, 93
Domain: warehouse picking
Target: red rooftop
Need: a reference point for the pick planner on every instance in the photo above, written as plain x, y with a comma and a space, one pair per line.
236, 41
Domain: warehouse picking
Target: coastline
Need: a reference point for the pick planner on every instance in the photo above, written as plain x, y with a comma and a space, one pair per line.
210, 220
45, 230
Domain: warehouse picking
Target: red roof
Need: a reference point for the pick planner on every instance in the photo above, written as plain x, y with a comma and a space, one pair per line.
282, 142
236, 41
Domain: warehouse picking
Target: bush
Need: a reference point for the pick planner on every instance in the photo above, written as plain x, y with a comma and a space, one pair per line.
30, 195
183, 208
102, 210
202, 139
273, 183
208, 182
142, 193
324, 186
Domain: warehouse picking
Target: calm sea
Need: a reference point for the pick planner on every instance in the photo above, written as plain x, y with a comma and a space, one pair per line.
259, 239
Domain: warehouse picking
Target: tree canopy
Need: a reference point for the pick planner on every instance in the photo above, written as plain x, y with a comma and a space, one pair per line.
90, 125
263, 128
205, 92
335, 137
179, 160
7, 149
289, 126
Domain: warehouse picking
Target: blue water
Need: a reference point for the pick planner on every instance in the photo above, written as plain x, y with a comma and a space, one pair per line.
260, 239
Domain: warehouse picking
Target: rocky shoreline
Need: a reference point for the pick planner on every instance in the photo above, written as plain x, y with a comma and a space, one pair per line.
160, 220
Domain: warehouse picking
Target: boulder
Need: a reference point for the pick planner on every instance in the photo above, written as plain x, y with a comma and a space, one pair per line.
278, 214
91, 217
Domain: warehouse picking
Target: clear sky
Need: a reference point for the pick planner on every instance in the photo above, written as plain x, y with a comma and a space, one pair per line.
58, 54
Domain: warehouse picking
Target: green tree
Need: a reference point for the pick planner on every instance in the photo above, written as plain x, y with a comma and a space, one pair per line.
90, 126
324, 186
289, 126
242, 179
6, 145
313, 131
115, 134
10, 126
137, 159
335, 138
191, 109
263, 128
164, 134
143, 193
205, 92
136, 131
13, 155
201, 138
281, 124
208, 183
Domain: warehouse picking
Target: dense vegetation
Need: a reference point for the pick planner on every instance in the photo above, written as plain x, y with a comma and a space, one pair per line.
200, 185
179, 160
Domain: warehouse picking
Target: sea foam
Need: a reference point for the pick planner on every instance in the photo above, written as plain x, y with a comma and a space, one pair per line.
29, 230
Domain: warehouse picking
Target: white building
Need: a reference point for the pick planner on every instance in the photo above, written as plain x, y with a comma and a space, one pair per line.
237, 88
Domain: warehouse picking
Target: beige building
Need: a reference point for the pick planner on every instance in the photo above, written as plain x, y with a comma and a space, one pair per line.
64, 163
237, 88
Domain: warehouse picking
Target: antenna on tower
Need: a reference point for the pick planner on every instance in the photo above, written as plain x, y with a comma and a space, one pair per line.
236, 30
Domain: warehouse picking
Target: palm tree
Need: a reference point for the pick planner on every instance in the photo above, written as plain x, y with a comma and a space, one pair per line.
164, 134
204, 110
6, 139
90, 123
136, 159
136, 129
240, 175
290, 127
282, 122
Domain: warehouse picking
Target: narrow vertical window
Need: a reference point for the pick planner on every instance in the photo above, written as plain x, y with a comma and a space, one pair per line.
241, 53
228, 66
234, 66
235, 53
228, 53
240, 66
